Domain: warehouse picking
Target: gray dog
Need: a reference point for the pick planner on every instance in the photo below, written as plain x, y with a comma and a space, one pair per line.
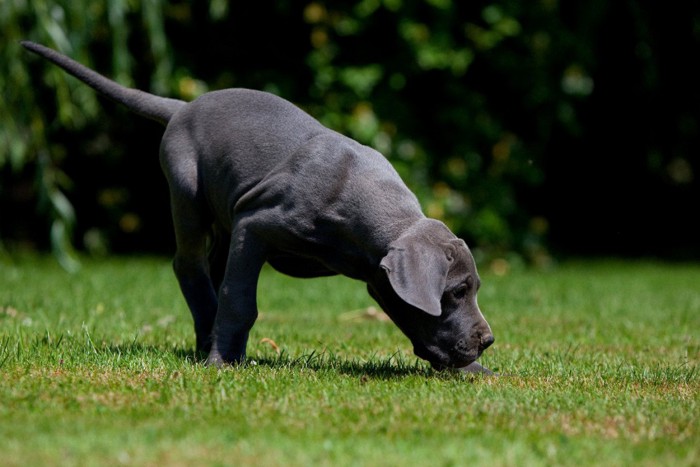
254, 179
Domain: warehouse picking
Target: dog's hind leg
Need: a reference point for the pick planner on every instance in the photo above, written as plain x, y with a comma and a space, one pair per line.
238, 309
192, 271
192, 220
191, 266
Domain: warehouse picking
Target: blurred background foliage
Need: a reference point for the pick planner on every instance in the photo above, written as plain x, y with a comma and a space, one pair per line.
529, 128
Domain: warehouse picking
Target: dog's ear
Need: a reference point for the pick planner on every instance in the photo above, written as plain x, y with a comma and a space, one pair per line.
417, 271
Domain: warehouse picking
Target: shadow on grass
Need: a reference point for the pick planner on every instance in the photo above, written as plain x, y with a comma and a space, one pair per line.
393, 367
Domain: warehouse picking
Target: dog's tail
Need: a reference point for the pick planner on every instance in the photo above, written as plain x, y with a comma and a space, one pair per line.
148, 105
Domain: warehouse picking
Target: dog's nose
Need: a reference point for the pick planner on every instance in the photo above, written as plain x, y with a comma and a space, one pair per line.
487, 340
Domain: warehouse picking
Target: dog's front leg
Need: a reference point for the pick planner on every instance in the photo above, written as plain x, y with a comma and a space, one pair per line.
238, 309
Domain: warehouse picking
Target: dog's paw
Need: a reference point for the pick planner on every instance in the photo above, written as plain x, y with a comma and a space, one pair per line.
476, 368
214, 360
218, 360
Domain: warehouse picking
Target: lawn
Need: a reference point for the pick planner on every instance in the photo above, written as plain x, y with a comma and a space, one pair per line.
97, 368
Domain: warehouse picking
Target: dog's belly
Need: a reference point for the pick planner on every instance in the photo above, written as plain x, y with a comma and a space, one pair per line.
298, 266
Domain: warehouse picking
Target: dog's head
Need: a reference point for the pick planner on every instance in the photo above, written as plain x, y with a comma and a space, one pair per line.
427, 284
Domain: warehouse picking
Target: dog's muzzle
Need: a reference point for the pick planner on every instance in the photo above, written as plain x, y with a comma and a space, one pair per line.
459, 356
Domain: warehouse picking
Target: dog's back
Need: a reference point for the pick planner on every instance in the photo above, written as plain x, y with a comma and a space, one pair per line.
247, 147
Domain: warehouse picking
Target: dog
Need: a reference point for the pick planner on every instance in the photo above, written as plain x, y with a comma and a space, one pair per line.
255, 179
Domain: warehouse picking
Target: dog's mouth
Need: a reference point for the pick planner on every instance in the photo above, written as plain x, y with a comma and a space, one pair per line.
452, 364
441, 360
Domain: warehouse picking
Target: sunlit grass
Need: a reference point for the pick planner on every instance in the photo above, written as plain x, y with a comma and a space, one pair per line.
600, 363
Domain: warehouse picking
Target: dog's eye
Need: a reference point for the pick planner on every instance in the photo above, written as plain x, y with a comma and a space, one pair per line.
460, 291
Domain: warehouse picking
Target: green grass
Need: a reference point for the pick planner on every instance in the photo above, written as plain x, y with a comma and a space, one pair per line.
97, 368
